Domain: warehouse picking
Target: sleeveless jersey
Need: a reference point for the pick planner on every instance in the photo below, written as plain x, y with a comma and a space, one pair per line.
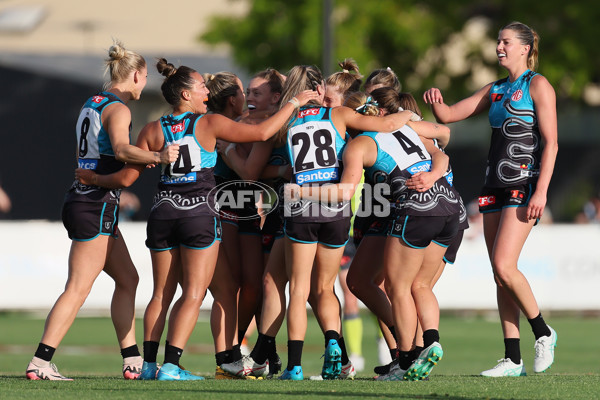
184, 186
400, 155
95, 151
515, 151
315, 151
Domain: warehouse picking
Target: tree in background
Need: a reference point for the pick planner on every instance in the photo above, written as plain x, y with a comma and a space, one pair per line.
443, 43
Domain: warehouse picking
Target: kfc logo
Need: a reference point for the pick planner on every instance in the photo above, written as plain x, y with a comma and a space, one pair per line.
180, 127
309, 111
487, 201
517, 95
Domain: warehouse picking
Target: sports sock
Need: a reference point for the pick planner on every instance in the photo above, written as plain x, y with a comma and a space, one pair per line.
353, 333
416, 352
221, 357
539, 327
430, 336
512, 350
294, 353
404, 359
264, 348
172, 354
45, 352
331, 335
150, 350
236, 353
394, 353
342, 344
131, 351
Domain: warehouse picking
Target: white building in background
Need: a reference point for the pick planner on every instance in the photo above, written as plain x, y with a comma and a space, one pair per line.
71, 37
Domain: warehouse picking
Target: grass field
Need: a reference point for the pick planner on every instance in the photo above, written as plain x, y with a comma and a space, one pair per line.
90, 355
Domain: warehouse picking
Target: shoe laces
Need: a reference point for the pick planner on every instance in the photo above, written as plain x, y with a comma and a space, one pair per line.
501, 362
540, 347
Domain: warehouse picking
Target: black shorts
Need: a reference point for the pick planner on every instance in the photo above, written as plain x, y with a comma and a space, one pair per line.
332, 234
418, 232
197, 232
495, 199
369, 226
450, 255
86, 221
272, 229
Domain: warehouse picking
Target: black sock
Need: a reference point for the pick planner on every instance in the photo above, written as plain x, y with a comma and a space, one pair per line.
131, 351
45, 352
221, 357
539, 327
150, 351
264, 348
342, 344
404, 359
393, 331
394, 353
417, 351
172, 354
331, 335
430, 336
294, 353
236, 353
512, 350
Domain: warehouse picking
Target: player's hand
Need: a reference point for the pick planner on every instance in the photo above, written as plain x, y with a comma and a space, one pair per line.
432, 96
306, 96
84, 176
169, 154
535, 208
421, 181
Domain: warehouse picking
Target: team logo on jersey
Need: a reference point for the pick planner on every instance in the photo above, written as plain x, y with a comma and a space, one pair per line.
180, 127
107, 225
497, 96
308, 111
98, 99
487, 201
518, 95
243, 198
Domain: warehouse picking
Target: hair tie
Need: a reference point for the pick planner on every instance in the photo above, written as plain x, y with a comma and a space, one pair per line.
369, 103
345, 71
389, 69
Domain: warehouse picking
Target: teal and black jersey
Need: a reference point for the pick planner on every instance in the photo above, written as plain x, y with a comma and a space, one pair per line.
400, 155
184, 186
315, 151
515, 150
95, 150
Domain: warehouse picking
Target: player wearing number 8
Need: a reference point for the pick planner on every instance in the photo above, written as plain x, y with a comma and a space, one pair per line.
90, 215
183, 233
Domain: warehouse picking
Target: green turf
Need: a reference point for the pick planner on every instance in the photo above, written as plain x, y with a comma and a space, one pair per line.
89, 353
